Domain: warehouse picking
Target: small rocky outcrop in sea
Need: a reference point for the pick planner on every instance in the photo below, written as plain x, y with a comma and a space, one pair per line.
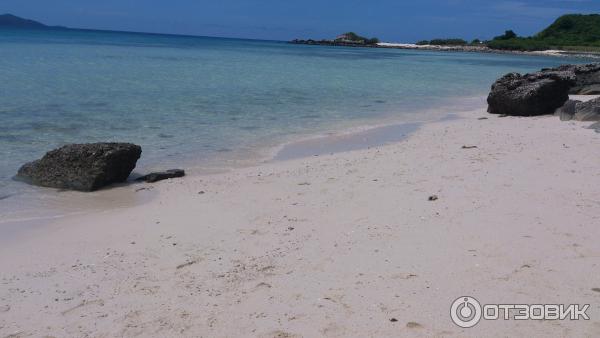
162, 175
580, 111
82, 167
530, 94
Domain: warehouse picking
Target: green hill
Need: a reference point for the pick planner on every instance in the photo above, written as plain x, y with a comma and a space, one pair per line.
567, 32
573, 30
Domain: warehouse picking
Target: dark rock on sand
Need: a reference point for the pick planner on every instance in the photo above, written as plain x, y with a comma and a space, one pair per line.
162, 175
588, 111
82, 167
530, 94
580, 111
567, 111
595, 126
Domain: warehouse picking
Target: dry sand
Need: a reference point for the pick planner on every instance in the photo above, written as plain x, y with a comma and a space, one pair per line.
334, 245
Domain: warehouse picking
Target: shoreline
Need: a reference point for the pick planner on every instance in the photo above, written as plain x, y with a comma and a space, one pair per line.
334, 245
456, 48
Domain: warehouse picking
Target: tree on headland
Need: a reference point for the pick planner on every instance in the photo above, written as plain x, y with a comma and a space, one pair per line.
352, 37
509, 34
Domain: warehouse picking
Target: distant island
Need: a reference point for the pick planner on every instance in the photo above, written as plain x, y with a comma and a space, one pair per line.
13, 21
349, 39
571, 33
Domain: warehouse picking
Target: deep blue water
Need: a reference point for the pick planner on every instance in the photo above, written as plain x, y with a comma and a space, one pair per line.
197, 98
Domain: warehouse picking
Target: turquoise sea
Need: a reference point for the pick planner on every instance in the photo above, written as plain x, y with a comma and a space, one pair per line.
207, 101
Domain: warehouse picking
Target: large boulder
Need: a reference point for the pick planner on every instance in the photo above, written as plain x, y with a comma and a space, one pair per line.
82, 167
580, 111
530, 94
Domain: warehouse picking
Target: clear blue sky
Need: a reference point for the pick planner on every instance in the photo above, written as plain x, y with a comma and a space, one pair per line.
390, 20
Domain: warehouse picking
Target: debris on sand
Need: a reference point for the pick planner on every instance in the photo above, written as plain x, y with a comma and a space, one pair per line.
186, 264
413, 325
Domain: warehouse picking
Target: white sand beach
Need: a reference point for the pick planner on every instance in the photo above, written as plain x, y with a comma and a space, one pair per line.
341, 245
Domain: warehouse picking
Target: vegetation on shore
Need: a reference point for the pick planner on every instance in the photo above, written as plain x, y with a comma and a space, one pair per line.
443, 42
352, 37
575, 32
570, 32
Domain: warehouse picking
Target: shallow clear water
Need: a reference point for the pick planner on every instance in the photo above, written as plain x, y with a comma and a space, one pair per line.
195, 98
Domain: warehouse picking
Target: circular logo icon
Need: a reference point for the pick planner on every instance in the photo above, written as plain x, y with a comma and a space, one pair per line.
466, 312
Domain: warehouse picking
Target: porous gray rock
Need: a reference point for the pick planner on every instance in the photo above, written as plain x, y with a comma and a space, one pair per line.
533, 94
82, 167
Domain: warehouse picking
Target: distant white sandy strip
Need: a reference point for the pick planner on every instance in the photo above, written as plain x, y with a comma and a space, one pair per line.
343, 245
414, 46
482, 48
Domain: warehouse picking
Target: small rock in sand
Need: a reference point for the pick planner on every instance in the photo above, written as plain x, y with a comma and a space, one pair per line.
433, 198
596, 289
469, 147
162, 175
393, 320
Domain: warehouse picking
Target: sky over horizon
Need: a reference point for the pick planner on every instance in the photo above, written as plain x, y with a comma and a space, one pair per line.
390, 20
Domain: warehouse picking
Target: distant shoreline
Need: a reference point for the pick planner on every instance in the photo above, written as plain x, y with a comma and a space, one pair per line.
440, 48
